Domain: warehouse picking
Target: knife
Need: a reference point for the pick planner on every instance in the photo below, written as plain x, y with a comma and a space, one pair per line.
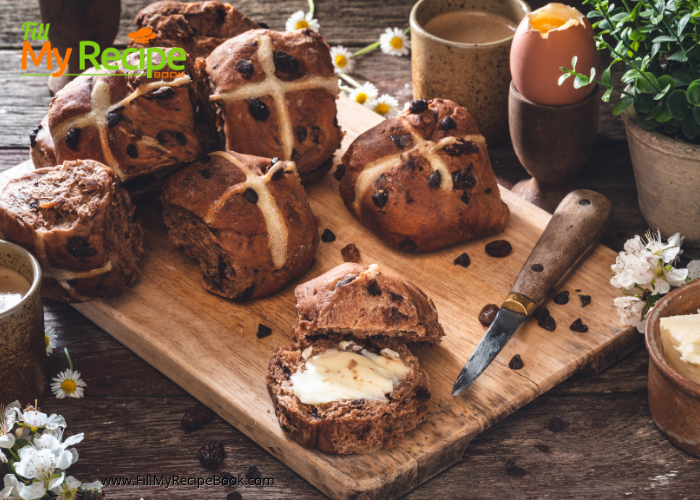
575, 228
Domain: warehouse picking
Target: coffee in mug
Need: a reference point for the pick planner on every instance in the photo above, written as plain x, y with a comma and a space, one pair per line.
13, 286
470, 26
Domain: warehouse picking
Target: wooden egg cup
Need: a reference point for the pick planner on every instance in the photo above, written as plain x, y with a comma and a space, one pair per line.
552, 143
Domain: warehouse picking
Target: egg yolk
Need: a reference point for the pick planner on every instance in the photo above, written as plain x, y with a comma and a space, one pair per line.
545, 24
554, 16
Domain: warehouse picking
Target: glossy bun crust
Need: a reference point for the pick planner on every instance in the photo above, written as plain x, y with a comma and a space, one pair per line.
423, 180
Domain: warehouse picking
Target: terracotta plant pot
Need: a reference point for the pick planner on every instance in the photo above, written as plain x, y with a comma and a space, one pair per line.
674, 400
667, 173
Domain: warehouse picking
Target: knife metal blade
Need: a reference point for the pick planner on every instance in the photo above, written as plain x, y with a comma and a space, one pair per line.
503, 326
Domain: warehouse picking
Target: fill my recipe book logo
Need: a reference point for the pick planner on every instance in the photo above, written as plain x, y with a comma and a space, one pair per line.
89, 51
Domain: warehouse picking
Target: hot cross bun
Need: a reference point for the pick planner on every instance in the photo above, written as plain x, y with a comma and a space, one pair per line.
274, 95
79, 223
245, 218
136, 125
423, 180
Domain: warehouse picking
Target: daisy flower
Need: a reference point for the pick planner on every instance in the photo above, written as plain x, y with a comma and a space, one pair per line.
50, 336
341, 59
394, 42
386, 105
299, 21
365, 94
68, 384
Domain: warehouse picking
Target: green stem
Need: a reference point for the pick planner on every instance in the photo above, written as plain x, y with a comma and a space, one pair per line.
629, 61
312, 7
70, 361
674, 34
13, 453
607, 18
606, 85
369, 48
349, 80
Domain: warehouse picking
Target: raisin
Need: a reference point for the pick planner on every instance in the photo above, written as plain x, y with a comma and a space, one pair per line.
350, 253
396, 297
263, 331
407, 244
246, 294
113, 119
488, 314
339, 172
465, 198
418, 106
447, 123
542, 447
548, 323
373, 288
556, 424
258, 110
33, 134
206, 173
585, 300
357, 403
516, 471
463, 260
380, 198
251, 195
180, 137
285, 62
80, 248
498, 248
162, 93
72, 138
327, 236
401, 141
488, 191
578, 326
33, 204
348, 278
542, 313
516, 363
463, 179
194, 419
300, 133
561, 298
253, 473
263, 25
434, 179
221, 15
204, 158
211, 454
227, 476
461, 148
245, 68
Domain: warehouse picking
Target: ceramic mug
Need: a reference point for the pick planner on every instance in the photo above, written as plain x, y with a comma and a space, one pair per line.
476, 76
22, 337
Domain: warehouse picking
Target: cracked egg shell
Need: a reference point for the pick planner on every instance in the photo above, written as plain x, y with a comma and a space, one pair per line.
546, 40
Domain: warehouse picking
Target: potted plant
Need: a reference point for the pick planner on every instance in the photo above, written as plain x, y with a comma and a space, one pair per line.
657, 41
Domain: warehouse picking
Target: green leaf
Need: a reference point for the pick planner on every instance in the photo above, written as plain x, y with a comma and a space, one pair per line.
563, 78
645, 103
592, 73
690, 127
694, 93
594, 14
573, 63
663, 116
696, 113
655, 48
606, 96
630, 76
683, 76
663, 92
647, 85
663, 38
606, 78
671, 129
622, 105
667, 80
655, 111
678, 56
682, 23
581, 81
677, 103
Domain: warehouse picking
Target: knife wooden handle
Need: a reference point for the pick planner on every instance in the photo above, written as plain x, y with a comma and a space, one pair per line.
576, 227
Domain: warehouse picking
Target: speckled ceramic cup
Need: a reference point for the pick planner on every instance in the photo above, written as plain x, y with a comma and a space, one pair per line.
22, 338
475, 76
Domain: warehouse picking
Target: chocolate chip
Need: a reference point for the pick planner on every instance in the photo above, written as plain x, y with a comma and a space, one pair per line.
542, 313
418, 106
578, 326
408, 245
285, 62
434, 179
72, 138
373, 288
180, 137
251, 195
194, 419
263, 331
246, 294
542, 447
204, 159
263, 25
488, 191
396, 297
465, 198
211, 454
162, 136
300, 133
401, 141
162, 93
516, 363
488, 314
113, 119
339, 172
80, 248
577, 290
245, 68
498, 248
516, 471
348, 278
585, 300
253, 473
258, 110
350, 253
547, 324
206, 173
447, 123
463, 179
234, 495
461, 148
561, 298
327, 236
556, 424
221, 15
380, 198
463, 260
33, 134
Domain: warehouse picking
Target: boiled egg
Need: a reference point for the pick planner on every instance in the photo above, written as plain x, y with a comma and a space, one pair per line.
546, 40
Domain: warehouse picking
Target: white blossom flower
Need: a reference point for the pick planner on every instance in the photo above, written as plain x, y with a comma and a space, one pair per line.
95, 485
668, 276
394, 42
52, 443
386, 105
8, 417
68, 490
694, 270
50, 336
341, 58
667, 252
299, 21
43, 465
365, 95
630, 309
12, 487
68, 384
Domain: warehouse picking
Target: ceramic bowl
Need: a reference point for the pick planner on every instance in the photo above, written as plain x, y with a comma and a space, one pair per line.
674, 400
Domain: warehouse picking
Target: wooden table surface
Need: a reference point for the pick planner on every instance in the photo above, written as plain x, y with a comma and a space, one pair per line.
609, 446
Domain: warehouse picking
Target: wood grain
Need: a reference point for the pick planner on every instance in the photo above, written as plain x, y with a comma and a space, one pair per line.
207, 345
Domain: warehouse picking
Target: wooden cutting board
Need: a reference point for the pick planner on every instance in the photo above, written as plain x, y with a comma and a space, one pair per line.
208, 346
